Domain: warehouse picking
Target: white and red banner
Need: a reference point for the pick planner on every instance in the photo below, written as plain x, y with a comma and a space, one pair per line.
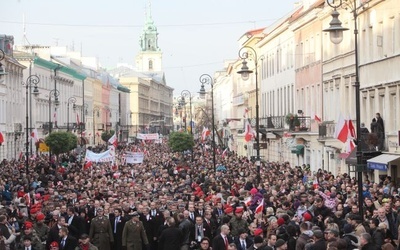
341, 129
134, 157
206, 132
154, 136
107, 156
113, 140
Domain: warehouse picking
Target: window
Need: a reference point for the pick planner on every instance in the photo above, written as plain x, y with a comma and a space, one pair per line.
150, 64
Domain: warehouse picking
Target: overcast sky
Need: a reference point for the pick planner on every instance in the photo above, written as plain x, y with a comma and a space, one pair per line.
195, 36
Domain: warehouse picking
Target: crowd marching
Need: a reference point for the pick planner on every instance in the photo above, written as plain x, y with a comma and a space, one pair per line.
175, 201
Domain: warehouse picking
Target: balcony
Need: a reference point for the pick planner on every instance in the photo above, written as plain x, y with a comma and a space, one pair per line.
326, 130
273, 122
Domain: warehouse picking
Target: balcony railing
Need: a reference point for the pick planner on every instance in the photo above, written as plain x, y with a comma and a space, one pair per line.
279, 123
326, 130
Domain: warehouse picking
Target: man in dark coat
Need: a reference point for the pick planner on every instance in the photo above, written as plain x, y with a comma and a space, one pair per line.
319, 241
117, 224
54, 232
67, 242
366, 242
75, 223
171, 237
221, 242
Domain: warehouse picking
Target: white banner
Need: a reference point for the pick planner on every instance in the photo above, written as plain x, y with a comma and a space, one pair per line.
134, 157
107, 156
154, 136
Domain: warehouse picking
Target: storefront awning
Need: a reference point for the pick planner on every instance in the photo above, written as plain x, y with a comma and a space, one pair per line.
298, 149
380, 162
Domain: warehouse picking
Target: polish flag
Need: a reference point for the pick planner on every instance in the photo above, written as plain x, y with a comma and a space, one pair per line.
315, 183
246, 110
224, 152
113, 140
247, 202
35, 135
341, 129
1, 138
260, 207
249, 133
352, 130
206, 132
350, 145
88, 164
316, 118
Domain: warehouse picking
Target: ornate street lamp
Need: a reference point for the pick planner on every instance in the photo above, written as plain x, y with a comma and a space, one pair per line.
96, 112
336, 35
71, 100
245, 73
32, 80
207, 79
184, 94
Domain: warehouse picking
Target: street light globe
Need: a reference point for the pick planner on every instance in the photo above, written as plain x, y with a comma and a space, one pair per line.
245, 71
335, 28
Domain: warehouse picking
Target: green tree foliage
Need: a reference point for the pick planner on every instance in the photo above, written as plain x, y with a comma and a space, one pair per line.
61, 142
106, 135
180, 141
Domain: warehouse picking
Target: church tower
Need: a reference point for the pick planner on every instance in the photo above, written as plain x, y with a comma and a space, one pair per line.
150, 56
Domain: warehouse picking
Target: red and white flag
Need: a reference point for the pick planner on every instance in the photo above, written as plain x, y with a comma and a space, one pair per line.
247, 202
352, 130
341, 129
249, 133
315, 183
206, 132
350, 145
260, 207
246, 110
1, 138
88, 164
113, 140
224, 152
317, 118
35, 135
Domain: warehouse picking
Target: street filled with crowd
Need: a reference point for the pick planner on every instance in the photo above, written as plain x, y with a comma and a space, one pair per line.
175, 201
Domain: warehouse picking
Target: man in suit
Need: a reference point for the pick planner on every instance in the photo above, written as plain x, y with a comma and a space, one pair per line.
75, 224
200, 230
210, 224
67, 242
28, 243
171, 237
243, 242
192, 213
221, 242
186, 226
117, 224
54, 231
158, 220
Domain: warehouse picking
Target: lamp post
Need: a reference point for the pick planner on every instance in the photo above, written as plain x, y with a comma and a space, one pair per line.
56, 93
207, 79
245, 72
32, 80
96, 111
82, 124
73, 101
336, 36
184, 94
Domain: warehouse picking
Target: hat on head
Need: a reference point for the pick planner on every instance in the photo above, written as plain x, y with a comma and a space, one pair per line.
347, 229
281, 221
253, 191
135, 214
54, 244
258, 239
84, 236
239, 210
34, 210
258, 232
40, 217
280, 243
318, 234
228, 210
28, 225
307, 216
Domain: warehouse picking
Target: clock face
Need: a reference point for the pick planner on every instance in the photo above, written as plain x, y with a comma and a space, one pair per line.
253, 121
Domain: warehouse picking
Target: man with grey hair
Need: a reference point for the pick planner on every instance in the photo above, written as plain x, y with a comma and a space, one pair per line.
221, 242
366, 242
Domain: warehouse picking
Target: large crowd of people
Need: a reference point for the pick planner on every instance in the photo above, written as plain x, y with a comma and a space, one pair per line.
175, 201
